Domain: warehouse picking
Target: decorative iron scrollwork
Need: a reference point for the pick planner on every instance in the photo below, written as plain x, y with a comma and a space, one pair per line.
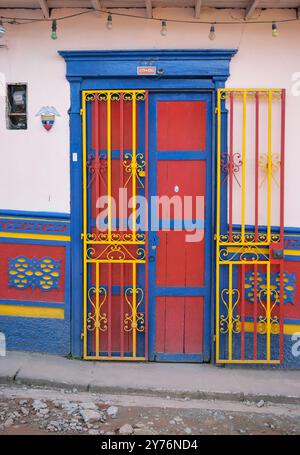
96, 165
115, 237
135, 166
245, 253
116, 252
273, 321
127, 96
102, 96
115, 96
95, 319
265, 162
134, 319
140, 96
230, 322
90, 97
230, 165
258, 238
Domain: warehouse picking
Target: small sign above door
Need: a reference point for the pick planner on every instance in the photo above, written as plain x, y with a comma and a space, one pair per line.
146, 70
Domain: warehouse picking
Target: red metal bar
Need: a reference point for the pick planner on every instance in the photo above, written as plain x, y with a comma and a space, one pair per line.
97, 147
255, 300
122, 225
146, 228
230, 167
282, 159
243, 311
281, 311
256, 164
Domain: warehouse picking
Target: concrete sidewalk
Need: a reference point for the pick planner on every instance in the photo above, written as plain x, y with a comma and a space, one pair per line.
191, 380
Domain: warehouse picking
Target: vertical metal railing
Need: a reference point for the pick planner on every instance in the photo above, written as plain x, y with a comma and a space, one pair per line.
249, 254
107, 254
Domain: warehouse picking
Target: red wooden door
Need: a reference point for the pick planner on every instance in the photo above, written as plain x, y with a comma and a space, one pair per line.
180, 240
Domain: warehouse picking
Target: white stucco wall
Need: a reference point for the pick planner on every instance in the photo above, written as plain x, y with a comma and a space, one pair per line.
34, 164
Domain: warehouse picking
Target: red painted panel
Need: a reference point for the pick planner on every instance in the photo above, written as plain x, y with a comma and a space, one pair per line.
98, 187
115, 122
179, 325
181, 125
174, 325
193, 325
13, 250
179, 263
160, 324
172, 174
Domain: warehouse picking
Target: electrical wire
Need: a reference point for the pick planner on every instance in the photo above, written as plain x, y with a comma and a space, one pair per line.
15, 21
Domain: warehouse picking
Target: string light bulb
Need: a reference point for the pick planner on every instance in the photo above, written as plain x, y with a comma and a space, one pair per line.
109, 23
275, 31
164, 30
54, 30
2, 29
212, 32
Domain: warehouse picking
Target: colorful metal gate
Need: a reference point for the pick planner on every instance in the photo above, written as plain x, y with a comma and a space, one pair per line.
114, 252
250, 281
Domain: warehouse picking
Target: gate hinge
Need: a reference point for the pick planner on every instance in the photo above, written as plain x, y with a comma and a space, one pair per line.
82, 335
81, 111
216, 110
82, 236
214, 338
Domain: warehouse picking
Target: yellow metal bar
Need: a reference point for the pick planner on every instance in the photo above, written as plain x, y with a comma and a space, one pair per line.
244, 135
249, 90
129, 359
109, 164
239, 245
218, 225
84, 204
117, 261
243, 262
114, 243
97, 310
134, 315
114, 91
271, 362
230, 313
269, 165
268, 312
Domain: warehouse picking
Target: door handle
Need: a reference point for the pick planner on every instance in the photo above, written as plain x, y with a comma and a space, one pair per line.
154, 241
153, 244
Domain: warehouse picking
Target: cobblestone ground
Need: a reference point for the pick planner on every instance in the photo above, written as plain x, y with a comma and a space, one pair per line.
33, 410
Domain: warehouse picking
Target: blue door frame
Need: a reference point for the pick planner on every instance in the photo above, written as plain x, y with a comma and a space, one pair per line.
180, 70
